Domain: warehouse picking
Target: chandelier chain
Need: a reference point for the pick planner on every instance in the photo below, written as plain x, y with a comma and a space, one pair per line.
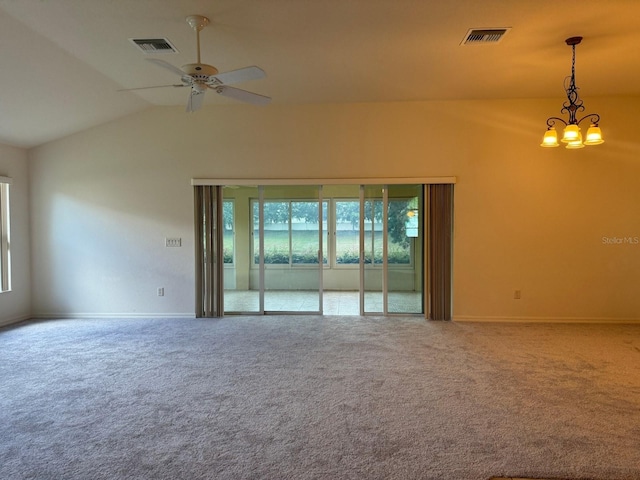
575, 104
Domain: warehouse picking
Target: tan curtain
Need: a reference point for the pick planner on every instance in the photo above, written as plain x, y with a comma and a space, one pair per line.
440, 250
208, 250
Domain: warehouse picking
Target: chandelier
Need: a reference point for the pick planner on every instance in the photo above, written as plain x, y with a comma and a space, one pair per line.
572, 135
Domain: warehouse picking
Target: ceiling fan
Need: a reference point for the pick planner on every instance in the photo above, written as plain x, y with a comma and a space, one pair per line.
202, 77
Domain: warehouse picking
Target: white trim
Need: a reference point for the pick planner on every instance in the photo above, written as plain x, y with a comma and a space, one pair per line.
14, 320
59, 316
458, 319
479, 319
321, 181
6, 180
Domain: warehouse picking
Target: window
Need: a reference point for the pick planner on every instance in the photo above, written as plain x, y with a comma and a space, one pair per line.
291, 230
347, 232
5, 244
228, 241
401, 226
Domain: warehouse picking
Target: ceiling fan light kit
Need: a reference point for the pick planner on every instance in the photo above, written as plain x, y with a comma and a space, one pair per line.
202, 77
572, 135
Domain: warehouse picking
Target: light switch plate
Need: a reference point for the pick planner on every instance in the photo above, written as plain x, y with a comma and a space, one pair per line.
172, 242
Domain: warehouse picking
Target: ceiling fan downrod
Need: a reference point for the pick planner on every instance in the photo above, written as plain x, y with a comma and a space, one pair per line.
197, 22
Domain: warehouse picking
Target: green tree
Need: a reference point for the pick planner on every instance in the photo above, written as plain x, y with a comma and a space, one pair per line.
307, 211
227, 214
397, 219
348, 211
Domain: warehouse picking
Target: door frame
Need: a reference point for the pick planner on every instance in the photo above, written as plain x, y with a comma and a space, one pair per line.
425, 181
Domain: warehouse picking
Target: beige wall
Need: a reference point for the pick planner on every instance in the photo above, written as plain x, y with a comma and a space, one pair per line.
526, 218
16, 304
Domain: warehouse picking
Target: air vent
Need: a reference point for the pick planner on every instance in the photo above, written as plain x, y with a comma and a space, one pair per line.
154, 45
484, 36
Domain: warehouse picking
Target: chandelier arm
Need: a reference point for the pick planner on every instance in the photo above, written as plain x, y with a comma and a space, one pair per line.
551, 121
593, 117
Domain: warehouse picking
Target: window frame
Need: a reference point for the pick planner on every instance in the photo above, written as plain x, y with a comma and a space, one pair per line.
254, 202
374, 240
330, 235
232, 202
5, 235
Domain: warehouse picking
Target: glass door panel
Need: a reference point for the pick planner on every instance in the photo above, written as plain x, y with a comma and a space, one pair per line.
347, 232
241, 288
372, 248
336, 249
293, 261
341, 277
405, 249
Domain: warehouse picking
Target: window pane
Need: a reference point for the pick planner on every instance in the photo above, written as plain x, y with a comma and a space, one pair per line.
256, 231
373, 249
228, 233
325, 242
347, 232
304, 232
403, 226
292, 241
5, 249
276, 233
405, 249
241, 282
373, 231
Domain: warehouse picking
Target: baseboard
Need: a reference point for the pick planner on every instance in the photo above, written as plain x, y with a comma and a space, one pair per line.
481, 319
10, 321
54, 316
456, 318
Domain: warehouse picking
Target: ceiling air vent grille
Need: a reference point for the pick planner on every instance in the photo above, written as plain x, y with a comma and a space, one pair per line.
484, 36
154, 45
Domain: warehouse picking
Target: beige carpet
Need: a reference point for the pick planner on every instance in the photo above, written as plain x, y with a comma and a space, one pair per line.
305, 397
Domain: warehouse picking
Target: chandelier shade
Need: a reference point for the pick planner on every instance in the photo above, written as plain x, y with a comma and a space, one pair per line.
550, 138
572, 135
594, 136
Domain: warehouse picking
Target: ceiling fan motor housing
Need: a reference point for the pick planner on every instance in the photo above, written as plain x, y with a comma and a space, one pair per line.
199, 70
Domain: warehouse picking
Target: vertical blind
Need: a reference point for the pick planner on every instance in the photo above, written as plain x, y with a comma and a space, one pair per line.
208, 250
440, 250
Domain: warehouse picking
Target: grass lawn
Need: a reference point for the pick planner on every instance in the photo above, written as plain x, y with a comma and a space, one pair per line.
304, 247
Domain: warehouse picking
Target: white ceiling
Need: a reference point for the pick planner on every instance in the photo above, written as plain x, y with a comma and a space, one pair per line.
62, 61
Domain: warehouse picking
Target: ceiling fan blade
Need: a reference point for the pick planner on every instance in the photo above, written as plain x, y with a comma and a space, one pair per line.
146, 88
196, 98
237, 76
168, 66
242, 95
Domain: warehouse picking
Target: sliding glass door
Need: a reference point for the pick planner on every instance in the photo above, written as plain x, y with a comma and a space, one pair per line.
291, 262
405, 249
241, 288
392, 245
333, 249
373, 248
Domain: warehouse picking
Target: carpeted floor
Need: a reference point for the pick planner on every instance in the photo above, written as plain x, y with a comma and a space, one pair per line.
304, 397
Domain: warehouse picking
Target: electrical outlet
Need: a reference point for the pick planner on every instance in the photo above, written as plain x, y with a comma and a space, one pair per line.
516, 295
161, 292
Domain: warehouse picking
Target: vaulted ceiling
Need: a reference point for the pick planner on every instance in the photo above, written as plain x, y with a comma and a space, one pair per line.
62, 62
